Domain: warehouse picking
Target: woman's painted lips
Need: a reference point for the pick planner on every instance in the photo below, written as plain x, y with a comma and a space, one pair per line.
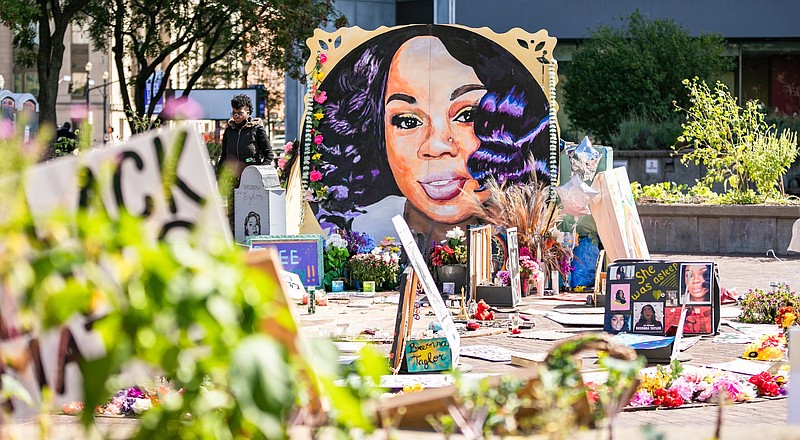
443, 185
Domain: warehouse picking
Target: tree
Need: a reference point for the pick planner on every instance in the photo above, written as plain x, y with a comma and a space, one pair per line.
53, 19
165, 35
636, 70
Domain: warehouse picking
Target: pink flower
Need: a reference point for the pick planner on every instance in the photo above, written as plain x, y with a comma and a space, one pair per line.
323, 58
182, 107
288, 147
281, 163
318, 139
321, 97
641, 398
684, 388
315, 176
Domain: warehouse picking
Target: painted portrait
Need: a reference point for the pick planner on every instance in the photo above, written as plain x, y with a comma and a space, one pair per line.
417, 118
620, 296
648, 317
617, 323
252, 224
697, 282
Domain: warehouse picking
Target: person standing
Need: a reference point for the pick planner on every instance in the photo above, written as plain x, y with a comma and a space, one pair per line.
245, 141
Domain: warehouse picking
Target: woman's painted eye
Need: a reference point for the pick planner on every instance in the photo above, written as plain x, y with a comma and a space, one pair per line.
406, 122
466, 115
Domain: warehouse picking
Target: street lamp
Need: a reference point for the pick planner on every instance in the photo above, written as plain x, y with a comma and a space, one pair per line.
88, 69
245, 68
105, 107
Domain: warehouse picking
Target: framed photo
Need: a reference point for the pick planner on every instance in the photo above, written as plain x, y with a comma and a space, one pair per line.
648, 317
620, 297
448, 289
696, 282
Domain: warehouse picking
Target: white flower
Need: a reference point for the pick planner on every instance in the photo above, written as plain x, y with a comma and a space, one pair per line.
456, 234
336, 241
141, 405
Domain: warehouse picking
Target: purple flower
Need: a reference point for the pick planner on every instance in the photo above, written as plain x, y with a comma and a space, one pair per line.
641, 398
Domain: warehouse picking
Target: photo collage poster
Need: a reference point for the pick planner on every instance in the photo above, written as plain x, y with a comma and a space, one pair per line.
647, 297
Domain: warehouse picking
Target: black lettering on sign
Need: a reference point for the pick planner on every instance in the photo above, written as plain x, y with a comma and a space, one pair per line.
169, 172
139, 163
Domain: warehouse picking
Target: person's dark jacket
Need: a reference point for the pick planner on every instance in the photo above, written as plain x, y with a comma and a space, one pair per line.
65, 133
244, 145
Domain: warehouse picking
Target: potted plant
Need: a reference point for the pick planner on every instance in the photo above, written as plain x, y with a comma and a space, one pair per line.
449, 259
334, 259
381, 267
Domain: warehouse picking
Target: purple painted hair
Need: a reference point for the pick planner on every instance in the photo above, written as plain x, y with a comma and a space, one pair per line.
511, 121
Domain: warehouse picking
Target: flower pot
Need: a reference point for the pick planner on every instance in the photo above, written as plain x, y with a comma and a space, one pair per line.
452, 273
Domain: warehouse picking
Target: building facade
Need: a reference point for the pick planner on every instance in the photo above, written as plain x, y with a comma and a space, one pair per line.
763, 37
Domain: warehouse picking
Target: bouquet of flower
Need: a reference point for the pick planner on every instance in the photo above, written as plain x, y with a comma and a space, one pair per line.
787, 317
528, 268
673, 386
451, 250
767, 348
376, 266
335, 257
357, 242
759, 307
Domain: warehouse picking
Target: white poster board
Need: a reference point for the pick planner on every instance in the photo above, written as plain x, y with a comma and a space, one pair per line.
513, 265
135, 176
429, 286
793, 417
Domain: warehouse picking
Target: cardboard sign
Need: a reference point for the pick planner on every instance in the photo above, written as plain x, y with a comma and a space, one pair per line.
428, 355
299, 254
136, 176
428, 285
163, 177
617, 218
652, 297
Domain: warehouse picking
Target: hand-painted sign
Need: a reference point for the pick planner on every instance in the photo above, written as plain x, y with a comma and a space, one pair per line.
652, 296
299, 254
428, 355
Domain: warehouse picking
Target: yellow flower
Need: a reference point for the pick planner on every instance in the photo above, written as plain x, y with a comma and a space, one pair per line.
788, 319
316, 156
318, 116
770, 354
319, 76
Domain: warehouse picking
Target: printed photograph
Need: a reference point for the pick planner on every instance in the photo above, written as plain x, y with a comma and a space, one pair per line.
672, 298
617, 323
623, 272
648, 317
697, 282
620, 297
698, 319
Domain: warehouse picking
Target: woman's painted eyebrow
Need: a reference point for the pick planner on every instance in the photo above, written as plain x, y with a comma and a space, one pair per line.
402, 97
466, 88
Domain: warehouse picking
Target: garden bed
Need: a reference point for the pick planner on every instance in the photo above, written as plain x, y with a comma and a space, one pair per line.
717, 229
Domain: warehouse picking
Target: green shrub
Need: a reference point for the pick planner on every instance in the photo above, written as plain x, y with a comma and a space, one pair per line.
636, 69
637, 133
736, 145
759, 307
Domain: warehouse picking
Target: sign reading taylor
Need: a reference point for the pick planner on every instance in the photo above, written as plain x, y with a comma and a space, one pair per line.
428, 355
300, 254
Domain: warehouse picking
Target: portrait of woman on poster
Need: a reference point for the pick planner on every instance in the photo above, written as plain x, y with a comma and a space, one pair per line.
621, 273
252, 224
647, 320
620, 297
697, 279
617, 323
416, 119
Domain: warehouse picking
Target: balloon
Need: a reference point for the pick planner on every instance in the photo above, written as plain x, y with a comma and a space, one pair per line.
575, 196
584, 159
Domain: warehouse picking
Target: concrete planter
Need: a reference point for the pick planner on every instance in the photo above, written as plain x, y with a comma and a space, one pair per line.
717, 229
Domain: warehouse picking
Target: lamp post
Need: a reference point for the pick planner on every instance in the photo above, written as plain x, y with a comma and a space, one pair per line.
105, 107
245, 68
88, 69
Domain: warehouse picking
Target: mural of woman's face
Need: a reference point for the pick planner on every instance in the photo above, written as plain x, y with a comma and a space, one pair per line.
617, 322
695, 278
430, 102
647, 313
